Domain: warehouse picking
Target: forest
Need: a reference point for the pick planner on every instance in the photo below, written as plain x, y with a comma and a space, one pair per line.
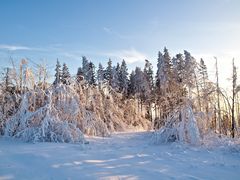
178, 101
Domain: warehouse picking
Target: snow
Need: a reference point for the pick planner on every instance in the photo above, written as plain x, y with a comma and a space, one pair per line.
51, 122
184, 130
129, 155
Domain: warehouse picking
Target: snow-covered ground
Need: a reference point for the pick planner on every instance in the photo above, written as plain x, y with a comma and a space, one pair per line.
121, 156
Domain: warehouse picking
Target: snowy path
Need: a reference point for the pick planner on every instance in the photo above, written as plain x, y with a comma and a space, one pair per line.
122, 156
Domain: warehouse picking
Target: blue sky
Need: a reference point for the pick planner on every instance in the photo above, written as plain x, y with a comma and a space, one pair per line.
131, 29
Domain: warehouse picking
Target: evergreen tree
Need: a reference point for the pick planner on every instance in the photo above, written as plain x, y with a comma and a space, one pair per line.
168, 66
149, 96
148, 71
108, 75
116, 78
80, 75
91, 74
123, 77
141, 86
160, 76
85, 67
66, 77
190, 66
131, 84
203, 72
100, 74
58, 74
179, 68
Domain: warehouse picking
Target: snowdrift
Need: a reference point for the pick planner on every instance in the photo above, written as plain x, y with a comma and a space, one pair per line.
212, 140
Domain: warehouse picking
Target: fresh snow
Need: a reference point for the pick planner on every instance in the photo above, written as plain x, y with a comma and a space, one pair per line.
129, 155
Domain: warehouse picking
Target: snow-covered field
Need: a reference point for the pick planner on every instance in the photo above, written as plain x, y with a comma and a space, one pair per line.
121, 156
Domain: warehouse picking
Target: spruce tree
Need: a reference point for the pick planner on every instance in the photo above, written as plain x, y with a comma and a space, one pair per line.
85, 67
189, 68
100, 74
123, 77
115, 80
58, 74
108, 75
179, 69
160, 76
131, 84
91, 74
66, 78
203, 72
148, 71
168, 67
80, 75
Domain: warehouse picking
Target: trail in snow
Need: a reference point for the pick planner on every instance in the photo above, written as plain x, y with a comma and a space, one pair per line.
121, 156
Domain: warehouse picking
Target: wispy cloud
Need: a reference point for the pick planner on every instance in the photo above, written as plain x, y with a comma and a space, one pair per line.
71, 55
115, 33
107, 30
47, 48
130, 56
14, 47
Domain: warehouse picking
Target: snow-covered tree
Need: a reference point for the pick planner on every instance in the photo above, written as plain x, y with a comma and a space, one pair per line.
80, 75
108, 75
164, 71
149, 95
116, 78
66, 77
203, 84
160, 76
179, 68
148, 70
131, 85
203, 69
123, 77
190, 67
85, 67
141, 86
91, 74
58, 74
100, 74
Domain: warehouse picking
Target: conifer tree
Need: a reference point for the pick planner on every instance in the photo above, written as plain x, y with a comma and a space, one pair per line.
100, 74
131, 84
190, 66
66, 77
91, 74
159, 69
123, 77
80, 75
85, 67
116, 78
109, 72
58, 74
140, 86
148, 70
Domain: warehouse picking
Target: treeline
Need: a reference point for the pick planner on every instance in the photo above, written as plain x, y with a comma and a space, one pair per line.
179, 80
